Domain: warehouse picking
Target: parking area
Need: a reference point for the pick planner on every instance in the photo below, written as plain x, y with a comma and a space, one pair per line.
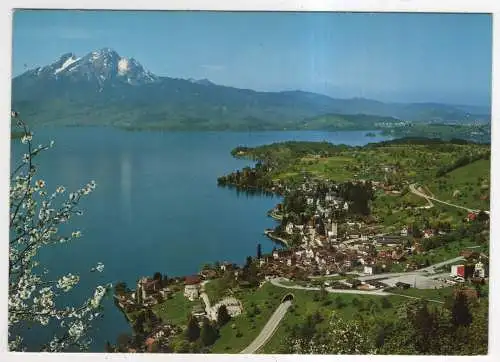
417, 281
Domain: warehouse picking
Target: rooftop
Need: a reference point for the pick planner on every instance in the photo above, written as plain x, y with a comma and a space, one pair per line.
191, 280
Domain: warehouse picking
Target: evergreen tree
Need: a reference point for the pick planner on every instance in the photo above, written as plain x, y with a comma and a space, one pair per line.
482, 216
164, 282
208, 333
460, 313
223, 316
424, 323
193, 329
157, 276
248, 262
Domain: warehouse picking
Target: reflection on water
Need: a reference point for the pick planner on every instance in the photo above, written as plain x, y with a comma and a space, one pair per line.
126, 185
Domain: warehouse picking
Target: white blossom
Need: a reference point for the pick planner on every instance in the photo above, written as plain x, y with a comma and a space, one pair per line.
76, 329
34, 224
344, 337
26, 138
98, 295
67, 282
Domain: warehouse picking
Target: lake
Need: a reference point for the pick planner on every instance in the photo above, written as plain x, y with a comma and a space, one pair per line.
156, 207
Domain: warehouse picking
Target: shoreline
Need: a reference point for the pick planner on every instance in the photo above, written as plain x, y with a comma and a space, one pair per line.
279, 240
274, 215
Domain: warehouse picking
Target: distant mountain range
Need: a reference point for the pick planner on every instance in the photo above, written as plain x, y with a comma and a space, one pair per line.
103, 88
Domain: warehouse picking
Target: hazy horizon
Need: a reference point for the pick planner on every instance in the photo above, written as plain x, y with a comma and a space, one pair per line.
406, 57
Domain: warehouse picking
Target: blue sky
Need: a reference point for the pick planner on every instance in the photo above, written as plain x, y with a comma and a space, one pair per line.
390, 57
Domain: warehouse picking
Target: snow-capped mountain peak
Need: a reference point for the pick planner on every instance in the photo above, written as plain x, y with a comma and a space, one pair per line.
102, 66
67, 62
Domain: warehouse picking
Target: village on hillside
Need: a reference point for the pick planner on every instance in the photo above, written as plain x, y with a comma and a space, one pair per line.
329, 249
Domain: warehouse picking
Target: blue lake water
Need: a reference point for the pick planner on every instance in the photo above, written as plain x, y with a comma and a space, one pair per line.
156, 207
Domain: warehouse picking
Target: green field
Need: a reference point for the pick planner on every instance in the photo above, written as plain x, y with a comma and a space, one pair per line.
306, 303
469, 183
394, 213
267, 298
345, 305
215, 290
448, 251
337, 168
399, 162
175, 310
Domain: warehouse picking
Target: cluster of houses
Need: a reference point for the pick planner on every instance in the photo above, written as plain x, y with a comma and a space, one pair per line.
160, 337
151, 291
367, 254
326, 248
474, 267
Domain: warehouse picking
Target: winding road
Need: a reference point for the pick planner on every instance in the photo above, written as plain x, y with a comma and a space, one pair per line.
269, 329
431, 268
276, 282
417, 192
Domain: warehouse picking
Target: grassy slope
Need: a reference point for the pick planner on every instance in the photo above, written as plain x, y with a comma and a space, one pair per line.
415, 163
473, 181
451, 250
267, 298
394, 216
336, 168
215, 290
304, 305
175, 310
